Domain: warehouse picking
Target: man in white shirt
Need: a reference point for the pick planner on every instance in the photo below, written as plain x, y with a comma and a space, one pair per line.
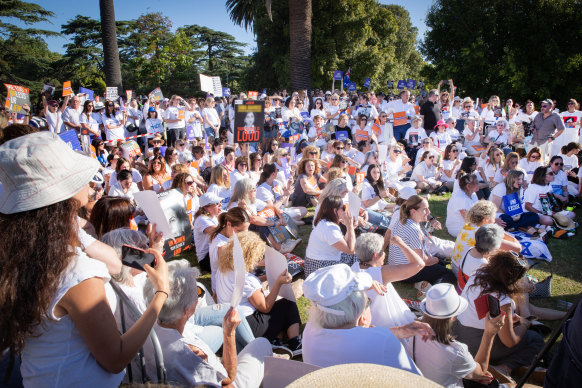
382, 104
365, 108
71, 115
174, 118
54, 114
397, 106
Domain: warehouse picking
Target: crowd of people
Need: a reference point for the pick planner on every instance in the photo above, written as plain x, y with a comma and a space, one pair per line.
364, 164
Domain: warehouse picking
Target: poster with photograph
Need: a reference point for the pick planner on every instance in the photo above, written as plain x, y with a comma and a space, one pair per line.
249, 119
174, 208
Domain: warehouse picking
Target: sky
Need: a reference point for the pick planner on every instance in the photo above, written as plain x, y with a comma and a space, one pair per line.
207, 13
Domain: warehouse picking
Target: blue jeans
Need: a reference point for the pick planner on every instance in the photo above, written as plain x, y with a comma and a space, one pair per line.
400, 131
210, 132
526, 219
378, 219
213, 316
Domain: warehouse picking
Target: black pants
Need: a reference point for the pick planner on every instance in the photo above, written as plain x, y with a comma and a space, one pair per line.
205, 263
283, 314
174, 134
434, 274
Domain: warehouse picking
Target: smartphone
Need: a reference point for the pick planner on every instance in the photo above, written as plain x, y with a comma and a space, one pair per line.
136, 258
494, 308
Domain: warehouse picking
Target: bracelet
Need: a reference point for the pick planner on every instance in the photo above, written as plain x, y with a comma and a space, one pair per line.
163, 292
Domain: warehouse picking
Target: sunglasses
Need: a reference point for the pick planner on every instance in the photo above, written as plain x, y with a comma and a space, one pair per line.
431, 157
189, 183
545, 106
243, 165
285, 154
571, 103
275, 144
343, 162
348, 143
454, 150
558, 164
397, 151
339, 148
535, 157
313, 153
157, 162
425, 142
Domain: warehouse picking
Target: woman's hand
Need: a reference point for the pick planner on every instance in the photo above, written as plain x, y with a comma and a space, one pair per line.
284, 278
493, 325
159, 274
156, 238
347, 218
378, 287
500, 222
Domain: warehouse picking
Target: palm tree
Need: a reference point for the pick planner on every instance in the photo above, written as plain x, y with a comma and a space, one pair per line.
109, 40
243, 12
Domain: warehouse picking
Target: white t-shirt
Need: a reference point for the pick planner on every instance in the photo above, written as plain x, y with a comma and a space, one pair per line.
117, 191
422, 170
154, 126
374, 345
369, 193
414, 136
421, 151
236, 176
267, 193
218, 241
321, 240
58, 356
534, 192
500, 190
55, 121
490, 171
455, 220
222, 192
117, 133
560, 180
490, 116
469, 317
391, 169
448, 165
89, 121
570, 162
201, 239
135, 175
225, 287
172, 113
441, 140
446, 365
398, 106
471, 264
528, 167
498, 138
71, 115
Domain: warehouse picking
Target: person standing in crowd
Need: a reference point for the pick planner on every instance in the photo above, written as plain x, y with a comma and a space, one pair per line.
398, 106
71, 115
430, 111
547, 126
174, 119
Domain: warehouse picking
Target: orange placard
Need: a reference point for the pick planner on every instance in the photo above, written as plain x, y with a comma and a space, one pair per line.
67, 90
293, 139
361, 135
360, 177
417, 109
267, 212
194, 164
376, 128
180, 114
399, 118
483, 106
352, 170
93, 153
253, 95
189, 209
478, 147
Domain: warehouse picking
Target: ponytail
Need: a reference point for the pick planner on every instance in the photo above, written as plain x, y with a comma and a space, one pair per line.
236, 216
411, 203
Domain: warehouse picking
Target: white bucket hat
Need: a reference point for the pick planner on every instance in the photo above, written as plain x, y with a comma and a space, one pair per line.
40, 169
442, 302
209, 199
330, 285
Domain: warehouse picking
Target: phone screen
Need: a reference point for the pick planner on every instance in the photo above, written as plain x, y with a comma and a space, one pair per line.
136, 258
494, 308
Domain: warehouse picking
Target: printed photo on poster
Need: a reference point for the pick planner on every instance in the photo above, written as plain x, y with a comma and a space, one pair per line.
174, 207
249, 119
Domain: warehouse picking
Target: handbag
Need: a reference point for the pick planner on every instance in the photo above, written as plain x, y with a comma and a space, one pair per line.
543, 288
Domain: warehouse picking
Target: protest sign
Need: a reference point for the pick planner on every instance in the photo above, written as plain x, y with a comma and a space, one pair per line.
174, 207
360, 176
156, 95
512, 204
130, 149
17, 97
361, 134
111, 93
367, 83
253, 95
239, 272
410, 83
226, 92
390, 84
249, 118
275, 264
129, 94
48, 89
67, 90
354, 203
338, 75
211, 85
72, 140
399, 118
88, 92
382, 151
352, 87
401, 84
341, 135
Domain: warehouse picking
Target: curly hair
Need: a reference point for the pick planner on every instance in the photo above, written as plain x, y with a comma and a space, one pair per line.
253, 251
500, 275
31, 266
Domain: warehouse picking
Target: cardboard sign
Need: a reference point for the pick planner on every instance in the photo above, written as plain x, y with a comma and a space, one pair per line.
253, 95
211, 85
17, 97
181, 113
249, 118
338, 75
417, 109
275, 264
111, 93
352, 87
390, 84
239, 272
399, 118
360, 176
382, 152
351, 170
293, 138
156, 95
367, 82
72, 140
361, 135
88, 92
401, 84
341, 135
67, 90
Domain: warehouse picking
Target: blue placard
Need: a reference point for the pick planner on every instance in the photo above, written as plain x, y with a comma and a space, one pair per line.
401, 84
557, 189
88, 92
512, 204
341, 135
225, 91
367, 83
352, 87
410, 83
70, 137
338, 75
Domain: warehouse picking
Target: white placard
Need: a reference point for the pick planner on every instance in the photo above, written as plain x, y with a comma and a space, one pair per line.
111, 93
354, 204
239, 272
149, 202
211, 85
382, 151
275, 264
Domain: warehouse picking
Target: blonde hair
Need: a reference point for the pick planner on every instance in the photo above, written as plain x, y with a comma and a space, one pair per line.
479, 211
334, 173
209, 100
253, 251
490, 102
217, 176
277, 154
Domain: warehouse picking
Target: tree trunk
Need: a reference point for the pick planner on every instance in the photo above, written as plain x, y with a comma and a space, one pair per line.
300, 41
110, 49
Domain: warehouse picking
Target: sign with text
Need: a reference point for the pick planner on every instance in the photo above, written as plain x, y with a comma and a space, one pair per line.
401, 84
338, 75
111, 93
249, 119
367, 83
410, 83
88, 92
67, 90
17, 97
156, 95
352, 87
70, 137
211, 85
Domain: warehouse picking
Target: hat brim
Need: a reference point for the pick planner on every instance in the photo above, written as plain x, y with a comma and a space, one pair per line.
444, 125
570, 225
462, 307
162, 140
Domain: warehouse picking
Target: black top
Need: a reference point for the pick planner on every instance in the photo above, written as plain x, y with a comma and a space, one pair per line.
431, 113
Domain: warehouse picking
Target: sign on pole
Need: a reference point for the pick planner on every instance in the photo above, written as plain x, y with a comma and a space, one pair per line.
249, 119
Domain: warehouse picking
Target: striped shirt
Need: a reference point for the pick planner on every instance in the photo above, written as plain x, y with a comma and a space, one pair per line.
410, 233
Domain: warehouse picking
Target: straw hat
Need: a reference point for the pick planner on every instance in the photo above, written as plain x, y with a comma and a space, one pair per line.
39, 170
362, 376
157, 137
563, 222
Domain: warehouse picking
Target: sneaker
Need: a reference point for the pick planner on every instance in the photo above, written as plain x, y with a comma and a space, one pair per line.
279, 348
295, 346
289, 245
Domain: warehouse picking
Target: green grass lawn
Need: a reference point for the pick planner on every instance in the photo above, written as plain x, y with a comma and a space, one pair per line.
567, 263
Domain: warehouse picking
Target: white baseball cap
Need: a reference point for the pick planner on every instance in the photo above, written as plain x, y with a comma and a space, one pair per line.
442, 301
330, 285
209, 199
39, 170
406, 192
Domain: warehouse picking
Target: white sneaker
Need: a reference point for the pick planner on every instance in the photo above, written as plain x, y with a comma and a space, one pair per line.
289, 245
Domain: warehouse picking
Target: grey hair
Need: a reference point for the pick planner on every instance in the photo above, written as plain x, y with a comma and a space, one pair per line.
183, 291
488, 238
367, 157
336, 187
367, 245
433, 92
241, 190
353, 306
124, 236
